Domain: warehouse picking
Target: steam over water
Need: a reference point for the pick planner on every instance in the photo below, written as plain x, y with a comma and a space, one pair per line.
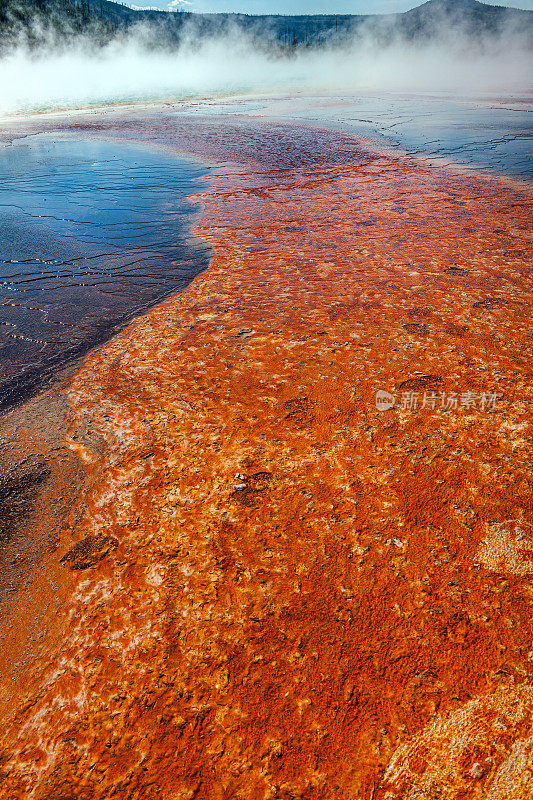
128, 70
101, 228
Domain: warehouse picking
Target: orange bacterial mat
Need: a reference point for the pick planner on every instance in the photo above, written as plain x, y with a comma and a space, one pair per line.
281, 588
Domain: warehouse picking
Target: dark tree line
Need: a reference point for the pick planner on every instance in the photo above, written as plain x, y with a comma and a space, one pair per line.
38, 22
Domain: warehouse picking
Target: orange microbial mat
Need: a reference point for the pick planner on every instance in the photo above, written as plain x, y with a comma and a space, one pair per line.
277, 585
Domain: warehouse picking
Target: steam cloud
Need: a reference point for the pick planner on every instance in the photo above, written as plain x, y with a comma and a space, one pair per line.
129, 68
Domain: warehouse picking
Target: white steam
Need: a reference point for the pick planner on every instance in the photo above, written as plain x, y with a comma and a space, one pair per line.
129, 69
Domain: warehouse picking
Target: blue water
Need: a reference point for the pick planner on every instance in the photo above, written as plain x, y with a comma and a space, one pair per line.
486, 133
496, 138
91, 232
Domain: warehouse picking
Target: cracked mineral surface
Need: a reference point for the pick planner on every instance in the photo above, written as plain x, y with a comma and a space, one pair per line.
271, 588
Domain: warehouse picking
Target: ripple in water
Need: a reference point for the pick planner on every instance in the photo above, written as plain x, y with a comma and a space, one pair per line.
91, 233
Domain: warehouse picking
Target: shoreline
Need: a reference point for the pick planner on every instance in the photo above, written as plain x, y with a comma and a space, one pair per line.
254, 496
515, 180
138, 273
521, 184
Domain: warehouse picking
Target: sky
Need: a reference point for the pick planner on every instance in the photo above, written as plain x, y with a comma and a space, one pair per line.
302, 6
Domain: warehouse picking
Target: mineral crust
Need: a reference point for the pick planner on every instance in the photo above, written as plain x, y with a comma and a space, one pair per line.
280, 590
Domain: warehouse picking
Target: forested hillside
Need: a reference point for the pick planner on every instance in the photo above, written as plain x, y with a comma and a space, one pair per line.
41, 22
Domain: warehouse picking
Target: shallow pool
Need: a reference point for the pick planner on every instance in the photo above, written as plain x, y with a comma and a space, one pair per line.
91, 232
